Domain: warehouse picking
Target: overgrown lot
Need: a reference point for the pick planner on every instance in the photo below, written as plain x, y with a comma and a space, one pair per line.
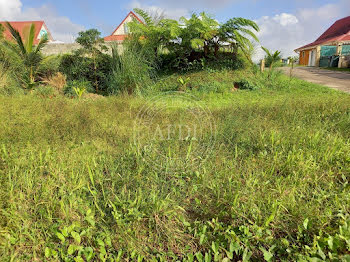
74, 187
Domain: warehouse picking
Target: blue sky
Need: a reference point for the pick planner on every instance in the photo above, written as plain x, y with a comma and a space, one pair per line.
285, 24
108, 13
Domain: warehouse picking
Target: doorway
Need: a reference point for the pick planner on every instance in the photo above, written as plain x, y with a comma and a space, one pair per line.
312, 58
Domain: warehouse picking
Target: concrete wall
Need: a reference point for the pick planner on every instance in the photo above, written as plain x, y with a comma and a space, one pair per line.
60, 49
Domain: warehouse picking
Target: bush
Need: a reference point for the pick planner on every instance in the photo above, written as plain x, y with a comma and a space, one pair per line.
245, 84
76, 67
197, 61
49, 67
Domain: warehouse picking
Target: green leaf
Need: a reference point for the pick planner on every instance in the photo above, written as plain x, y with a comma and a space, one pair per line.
267, 254
61, 237
246, 255
79, 259
47, 252
201, 240
76, 237
71, 249
306, 223
65, 231
88, 253
199, 257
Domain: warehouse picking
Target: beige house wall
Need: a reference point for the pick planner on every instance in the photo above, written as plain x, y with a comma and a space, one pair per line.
121, 29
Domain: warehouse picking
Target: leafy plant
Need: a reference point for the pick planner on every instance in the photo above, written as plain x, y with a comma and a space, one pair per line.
271, 59
78, 67
183, 83
77, 88
79, 91
26, 49
245, 84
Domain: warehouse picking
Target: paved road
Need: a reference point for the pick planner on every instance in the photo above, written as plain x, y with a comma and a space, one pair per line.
332, 79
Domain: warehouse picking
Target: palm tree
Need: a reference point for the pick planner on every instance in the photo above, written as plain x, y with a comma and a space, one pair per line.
26, 49
239, 32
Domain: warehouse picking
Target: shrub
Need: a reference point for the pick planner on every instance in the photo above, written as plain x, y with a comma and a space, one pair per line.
245, 84
77, 67
49, 67
196, 61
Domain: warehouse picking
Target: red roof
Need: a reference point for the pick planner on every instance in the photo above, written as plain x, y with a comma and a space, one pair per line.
25, 25
113, 37
338, 32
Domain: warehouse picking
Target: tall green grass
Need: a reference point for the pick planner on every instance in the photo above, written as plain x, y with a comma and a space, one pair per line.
74, 186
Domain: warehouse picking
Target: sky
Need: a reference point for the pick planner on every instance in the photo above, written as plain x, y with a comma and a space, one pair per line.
284, 24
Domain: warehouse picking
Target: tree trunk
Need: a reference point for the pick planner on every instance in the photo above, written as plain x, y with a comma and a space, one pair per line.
216, 51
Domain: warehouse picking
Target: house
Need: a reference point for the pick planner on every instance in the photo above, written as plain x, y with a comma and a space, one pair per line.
41, 30
122, 31
331, 49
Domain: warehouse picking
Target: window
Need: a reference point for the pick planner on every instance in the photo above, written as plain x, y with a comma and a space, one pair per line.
126, 28
303, 55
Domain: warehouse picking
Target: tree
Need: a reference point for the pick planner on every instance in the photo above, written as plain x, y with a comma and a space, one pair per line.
199, 32
155, 32
92, 46
25, 48
239, 32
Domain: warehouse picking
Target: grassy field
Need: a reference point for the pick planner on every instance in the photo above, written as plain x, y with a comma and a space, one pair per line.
75, 187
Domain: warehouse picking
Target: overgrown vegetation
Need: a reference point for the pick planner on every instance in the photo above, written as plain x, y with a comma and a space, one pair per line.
275, 186
74, 185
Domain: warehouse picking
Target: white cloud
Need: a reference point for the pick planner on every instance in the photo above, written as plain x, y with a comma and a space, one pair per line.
286, 32
174, 13
286, 19
9, 9
61, 27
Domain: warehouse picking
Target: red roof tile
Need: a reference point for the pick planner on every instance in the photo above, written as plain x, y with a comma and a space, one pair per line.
339, 31
25, 25
115, 38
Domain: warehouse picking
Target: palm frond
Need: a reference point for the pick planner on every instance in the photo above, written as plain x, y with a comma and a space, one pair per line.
267, 51
29, 39
17, 37
145, 16
43, 42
